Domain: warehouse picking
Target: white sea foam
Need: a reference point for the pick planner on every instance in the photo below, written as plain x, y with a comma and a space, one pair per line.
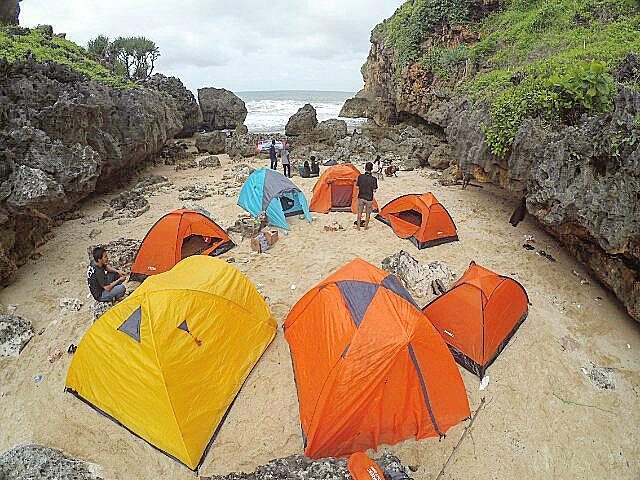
270, 111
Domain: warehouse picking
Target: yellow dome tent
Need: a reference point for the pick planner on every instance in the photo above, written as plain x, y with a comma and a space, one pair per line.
167, 362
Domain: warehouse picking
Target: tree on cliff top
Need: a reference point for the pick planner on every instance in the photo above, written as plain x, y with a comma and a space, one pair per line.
132, 57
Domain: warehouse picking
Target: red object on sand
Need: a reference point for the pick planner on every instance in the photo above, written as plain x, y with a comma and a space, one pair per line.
361, 467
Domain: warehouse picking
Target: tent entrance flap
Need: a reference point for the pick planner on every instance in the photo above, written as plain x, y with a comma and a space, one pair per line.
411, 216
341, 196
196, 244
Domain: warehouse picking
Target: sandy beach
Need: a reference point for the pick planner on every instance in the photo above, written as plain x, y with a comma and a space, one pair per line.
543, 416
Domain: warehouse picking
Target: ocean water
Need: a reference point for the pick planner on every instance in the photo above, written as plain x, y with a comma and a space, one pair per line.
269, 111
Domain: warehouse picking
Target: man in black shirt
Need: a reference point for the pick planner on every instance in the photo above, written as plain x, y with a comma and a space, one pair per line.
272, 155
367, 185
105, 282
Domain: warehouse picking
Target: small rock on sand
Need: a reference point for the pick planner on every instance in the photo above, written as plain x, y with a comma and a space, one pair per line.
15, 333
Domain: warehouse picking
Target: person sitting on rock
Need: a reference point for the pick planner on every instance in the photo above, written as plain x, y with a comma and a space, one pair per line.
105, 282
315, 167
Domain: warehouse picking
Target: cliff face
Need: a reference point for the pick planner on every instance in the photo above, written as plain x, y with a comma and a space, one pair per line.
581, 178
63, 136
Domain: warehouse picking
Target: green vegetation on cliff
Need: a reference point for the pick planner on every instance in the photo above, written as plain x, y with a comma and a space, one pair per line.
546, 58
16, 43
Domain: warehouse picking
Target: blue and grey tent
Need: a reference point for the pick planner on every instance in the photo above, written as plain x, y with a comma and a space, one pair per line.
269, 191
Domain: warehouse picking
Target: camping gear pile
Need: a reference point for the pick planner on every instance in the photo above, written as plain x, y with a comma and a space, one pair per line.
370, 365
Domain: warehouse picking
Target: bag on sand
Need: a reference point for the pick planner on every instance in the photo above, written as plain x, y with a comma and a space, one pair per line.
361, 467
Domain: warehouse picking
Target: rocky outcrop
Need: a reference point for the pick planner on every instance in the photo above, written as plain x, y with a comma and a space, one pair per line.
221, 109
301, 467
424, 280
303, 121
27, 462
211, 142
64, 136
581, 181
15, 333
184, 99
330, 131
9, 12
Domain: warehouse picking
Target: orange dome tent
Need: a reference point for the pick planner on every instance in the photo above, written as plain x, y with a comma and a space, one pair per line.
478, 316
175, 236
420, 218
368, 368
336, 190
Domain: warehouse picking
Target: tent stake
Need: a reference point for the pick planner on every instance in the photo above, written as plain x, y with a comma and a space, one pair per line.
467, 429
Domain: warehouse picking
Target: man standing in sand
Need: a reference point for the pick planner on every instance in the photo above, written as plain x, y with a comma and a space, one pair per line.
286, 165
272, 155
105, 282
367, 185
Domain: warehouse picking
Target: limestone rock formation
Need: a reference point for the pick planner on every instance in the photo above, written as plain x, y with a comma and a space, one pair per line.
581, 180
211, 142
186, 102
15, 333
421, 279
9, 12
303, 121
31, 462
209, 162
221, 109
330, 131
301, 467
64, 136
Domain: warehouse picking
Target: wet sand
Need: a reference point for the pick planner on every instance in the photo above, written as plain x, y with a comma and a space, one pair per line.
543, 417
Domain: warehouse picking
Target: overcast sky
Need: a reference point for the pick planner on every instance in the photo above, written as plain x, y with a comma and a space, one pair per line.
240, 45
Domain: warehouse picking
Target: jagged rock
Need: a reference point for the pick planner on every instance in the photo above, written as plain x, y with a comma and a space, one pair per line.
419, 278
151, 183
74, 304
331, 130
9, 12
130, 204
15, 333
209, 162
36, 462
186, 165
301, 467
303, 121
121, 252
441, 157
99, 308
241, 129
186, 102
197, 191
240, 146
238, 172
64, 136
211, 142
450, 176
174, 151
221, 109
249, 226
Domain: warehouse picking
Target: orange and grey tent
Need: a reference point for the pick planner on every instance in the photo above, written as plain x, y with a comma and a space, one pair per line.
421, 218
369, 369
336, 190
478, 316
167, 362
175, 236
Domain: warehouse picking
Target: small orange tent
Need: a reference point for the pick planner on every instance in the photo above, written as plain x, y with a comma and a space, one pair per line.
368, 368
420, 218
478, 316
336, 190
175, 236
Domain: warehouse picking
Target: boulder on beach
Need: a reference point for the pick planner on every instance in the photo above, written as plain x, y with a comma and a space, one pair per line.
221, 108
15, 333
31, 462
303, 121
211, 142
